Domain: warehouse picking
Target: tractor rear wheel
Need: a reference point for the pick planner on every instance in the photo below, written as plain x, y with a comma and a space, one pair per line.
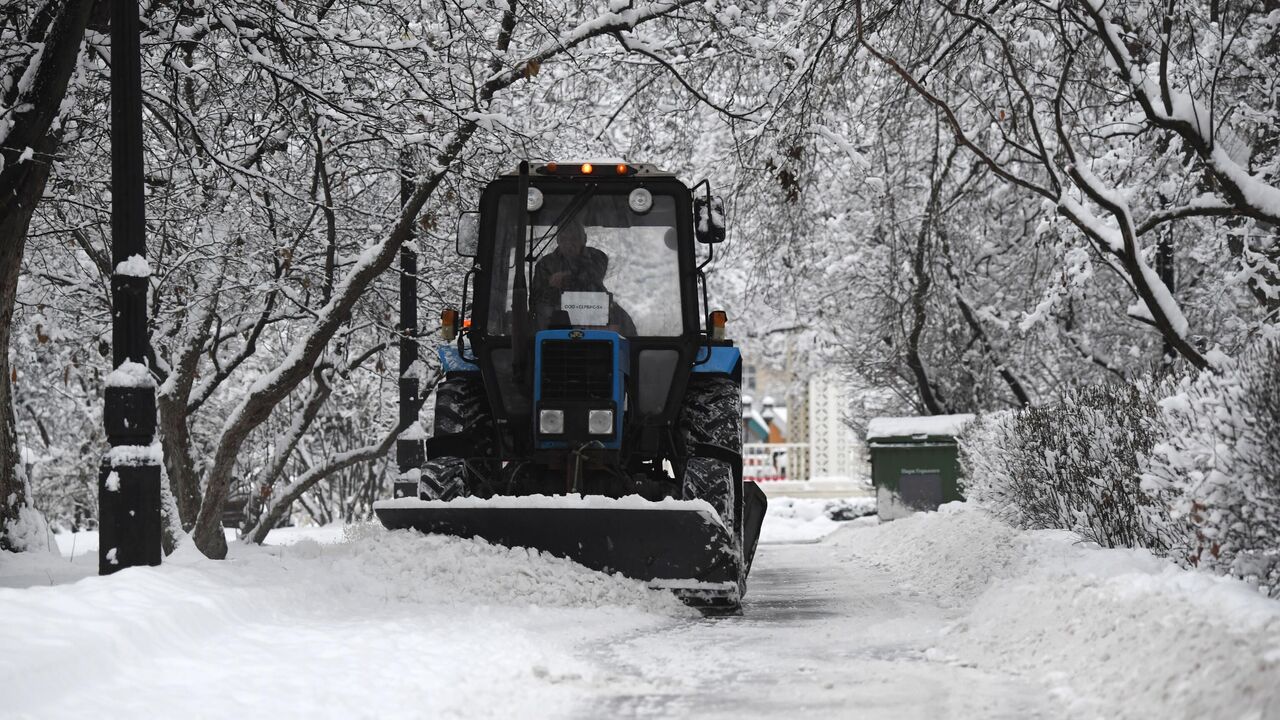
462, 416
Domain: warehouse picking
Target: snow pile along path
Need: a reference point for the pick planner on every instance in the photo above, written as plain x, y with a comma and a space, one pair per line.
388, 624
1111, 633
808, 520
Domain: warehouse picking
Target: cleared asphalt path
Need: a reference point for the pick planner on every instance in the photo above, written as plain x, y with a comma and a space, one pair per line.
823, 634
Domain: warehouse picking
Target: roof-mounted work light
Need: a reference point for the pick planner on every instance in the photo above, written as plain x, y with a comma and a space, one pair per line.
585, 168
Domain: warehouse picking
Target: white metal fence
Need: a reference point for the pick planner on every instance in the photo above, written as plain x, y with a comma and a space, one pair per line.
763, 462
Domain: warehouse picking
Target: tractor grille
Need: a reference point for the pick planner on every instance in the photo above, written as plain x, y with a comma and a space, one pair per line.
577, 370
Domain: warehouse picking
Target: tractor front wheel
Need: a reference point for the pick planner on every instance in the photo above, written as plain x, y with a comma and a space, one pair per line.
462, 417
712, 481
712, 416
463, 412
443, 479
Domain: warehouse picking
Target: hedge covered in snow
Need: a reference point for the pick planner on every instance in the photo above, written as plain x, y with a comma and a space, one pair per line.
1074, 464
1189, 469
1217, 469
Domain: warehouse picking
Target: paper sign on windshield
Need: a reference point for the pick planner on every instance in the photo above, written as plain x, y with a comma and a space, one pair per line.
586, 308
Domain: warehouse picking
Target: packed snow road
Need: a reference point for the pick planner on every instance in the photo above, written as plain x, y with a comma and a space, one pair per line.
951, 614
810, 643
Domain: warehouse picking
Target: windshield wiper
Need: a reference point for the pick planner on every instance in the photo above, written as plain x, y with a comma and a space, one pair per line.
578, 202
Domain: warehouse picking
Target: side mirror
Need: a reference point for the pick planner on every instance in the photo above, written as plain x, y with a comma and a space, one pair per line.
708, 219
469, 234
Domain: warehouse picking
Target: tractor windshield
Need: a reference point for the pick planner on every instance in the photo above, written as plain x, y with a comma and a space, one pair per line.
595, 263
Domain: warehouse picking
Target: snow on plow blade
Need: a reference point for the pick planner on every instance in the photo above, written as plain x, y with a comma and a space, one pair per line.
674, 544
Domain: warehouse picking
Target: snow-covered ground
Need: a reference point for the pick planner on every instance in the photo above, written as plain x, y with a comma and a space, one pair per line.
951, 614
807, 520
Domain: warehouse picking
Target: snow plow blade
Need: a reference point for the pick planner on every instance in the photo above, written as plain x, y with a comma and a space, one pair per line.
675, 545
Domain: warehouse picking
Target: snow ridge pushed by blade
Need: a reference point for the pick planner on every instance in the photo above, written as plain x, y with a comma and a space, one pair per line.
1114, 633
452, 571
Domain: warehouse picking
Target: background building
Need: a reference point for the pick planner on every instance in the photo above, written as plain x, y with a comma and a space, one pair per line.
805, 420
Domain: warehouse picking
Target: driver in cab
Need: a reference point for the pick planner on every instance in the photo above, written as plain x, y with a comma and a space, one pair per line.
572, 267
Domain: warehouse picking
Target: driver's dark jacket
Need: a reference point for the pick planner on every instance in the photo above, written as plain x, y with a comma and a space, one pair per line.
586, 274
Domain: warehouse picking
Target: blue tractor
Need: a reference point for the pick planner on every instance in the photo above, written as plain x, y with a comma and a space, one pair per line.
591, 406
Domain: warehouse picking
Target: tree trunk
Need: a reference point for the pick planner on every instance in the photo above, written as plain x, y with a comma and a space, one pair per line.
259, 404
13, 486
922, 276
175, 440
173, 404
919, 301
980, 333
1164, 268
27, 153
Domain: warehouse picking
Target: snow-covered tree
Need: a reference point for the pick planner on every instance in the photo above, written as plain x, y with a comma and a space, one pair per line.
39, 47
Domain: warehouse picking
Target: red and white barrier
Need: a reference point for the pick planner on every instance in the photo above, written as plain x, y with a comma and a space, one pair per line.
768, 462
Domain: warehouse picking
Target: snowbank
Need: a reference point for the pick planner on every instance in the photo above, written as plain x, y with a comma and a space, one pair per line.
387, 624
30, 531
1113, 633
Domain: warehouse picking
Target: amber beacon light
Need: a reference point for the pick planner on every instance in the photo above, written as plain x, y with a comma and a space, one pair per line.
718, 320
448, 324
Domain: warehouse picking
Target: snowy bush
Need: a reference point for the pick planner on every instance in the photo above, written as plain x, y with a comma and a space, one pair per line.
1218, 471
987, 461
1074, 464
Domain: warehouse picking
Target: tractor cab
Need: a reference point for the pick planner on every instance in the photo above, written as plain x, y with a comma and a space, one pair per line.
610, 307
583, 363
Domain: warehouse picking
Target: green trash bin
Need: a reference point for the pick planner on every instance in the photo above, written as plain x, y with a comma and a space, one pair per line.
914, 463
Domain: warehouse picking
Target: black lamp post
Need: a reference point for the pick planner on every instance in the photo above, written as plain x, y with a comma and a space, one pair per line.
409, 451
129, 477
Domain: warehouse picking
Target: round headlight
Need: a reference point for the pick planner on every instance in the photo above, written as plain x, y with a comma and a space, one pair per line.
534, 202
641, 200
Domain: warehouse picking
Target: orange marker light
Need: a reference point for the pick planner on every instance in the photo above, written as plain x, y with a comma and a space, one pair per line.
552, 167
622, 169
587, 168
718, 320
448, 324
